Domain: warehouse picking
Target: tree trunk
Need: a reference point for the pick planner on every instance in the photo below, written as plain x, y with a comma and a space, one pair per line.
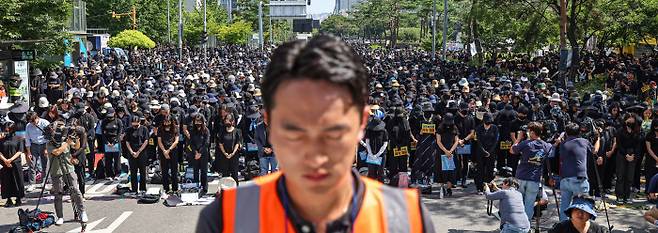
572, 35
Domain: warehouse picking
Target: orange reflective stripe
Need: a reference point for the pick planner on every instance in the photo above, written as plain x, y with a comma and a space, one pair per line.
228, 210
413, 210
371, 216
272, 214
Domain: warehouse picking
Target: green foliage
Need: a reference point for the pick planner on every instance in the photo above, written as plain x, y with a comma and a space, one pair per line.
130, 39
409, 34
36, 20
338, 25
235, 33
590, 86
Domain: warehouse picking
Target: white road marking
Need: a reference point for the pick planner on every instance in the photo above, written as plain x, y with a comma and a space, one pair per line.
90, 226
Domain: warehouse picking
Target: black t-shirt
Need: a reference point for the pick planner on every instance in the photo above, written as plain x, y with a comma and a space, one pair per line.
567, 227
168, 135
112, 129
653, 140
465, 124
230, 139
517, 125
136, 136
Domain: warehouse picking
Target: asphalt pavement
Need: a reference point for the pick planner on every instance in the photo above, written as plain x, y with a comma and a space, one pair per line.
465, 211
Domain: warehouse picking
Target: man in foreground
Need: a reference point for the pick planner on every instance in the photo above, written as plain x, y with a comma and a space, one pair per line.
315, 97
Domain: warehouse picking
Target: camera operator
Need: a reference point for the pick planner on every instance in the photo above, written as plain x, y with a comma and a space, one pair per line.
533, 151
573, 166
59, 149
512, 216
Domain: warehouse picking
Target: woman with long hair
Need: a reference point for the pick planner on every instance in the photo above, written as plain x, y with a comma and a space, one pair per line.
167, 143
11, 174
228, 144
137, 138
199, 144
627, 145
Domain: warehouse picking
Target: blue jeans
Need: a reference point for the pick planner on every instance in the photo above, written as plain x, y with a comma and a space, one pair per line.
569, 187
509, 228
529, 190
267, 165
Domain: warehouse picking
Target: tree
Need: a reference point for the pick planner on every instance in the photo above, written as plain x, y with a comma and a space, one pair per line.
235, 33
130, 39
193, 23
338, 25
36, 20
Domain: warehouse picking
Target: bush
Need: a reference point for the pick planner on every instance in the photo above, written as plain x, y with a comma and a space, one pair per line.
131, 38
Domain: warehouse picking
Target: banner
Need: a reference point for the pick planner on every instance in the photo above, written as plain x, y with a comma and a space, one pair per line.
23, 91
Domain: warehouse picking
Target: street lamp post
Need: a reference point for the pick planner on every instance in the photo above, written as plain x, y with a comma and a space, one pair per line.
260, 24
445, 27
205, 31
168, 23
434, 30
180, 28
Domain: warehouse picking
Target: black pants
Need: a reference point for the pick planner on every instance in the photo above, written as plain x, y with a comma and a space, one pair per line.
138, 165
169, 169
461, 165
397, 164
502, 157
609, 171
112, 164
485, 171
229, 167
625, 174
80, 173
200, 169
91, 157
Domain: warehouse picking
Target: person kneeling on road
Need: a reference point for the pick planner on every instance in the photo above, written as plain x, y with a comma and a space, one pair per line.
512, 212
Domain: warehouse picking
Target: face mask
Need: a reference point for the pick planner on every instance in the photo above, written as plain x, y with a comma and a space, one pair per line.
630, 124
656, 129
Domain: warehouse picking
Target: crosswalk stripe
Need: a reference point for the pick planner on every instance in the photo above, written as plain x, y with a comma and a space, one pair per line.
109, 187
94, 188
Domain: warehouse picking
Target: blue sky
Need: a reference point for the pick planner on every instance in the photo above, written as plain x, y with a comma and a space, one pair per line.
321, 6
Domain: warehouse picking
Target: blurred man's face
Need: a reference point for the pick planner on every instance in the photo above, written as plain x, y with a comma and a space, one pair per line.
315, 130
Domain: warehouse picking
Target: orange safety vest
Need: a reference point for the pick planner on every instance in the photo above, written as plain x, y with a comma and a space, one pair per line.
256, 208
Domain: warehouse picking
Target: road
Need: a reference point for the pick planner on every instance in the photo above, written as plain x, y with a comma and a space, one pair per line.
464, 212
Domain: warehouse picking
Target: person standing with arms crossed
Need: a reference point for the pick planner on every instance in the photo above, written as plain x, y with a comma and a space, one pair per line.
315, 96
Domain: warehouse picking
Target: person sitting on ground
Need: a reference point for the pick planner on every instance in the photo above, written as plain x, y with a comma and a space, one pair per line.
652, 215
581, 217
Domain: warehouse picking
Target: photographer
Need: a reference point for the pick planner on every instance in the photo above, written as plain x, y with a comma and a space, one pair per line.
512, 216
61, 173
533, 152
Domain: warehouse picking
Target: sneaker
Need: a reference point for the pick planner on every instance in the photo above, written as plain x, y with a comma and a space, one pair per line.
480, 193
59, 221
9, 203
83, 217
449, 192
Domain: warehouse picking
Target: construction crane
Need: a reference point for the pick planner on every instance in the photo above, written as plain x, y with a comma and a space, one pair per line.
132, 14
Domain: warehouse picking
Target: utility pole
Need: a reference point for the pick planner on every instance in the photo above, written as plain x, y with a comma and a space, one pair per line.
260, 24
230, 11
180, 28
445, 27
434, 31
168, 23
205, 27
271, 32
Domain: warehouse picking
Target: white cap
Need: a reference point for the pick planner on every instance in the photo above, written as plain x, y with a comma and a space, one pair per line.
43, 102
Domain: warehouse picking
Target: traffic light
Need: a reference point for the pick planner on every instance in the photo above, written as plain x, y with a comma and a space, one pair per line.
204, 37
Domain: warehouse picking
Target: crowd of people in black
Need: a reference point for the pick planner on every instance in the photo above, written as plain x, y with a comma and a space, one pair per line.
440, 122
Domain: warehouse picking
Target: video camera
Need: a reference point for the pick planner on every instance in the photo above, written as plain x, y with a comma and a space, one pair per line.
59, 132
